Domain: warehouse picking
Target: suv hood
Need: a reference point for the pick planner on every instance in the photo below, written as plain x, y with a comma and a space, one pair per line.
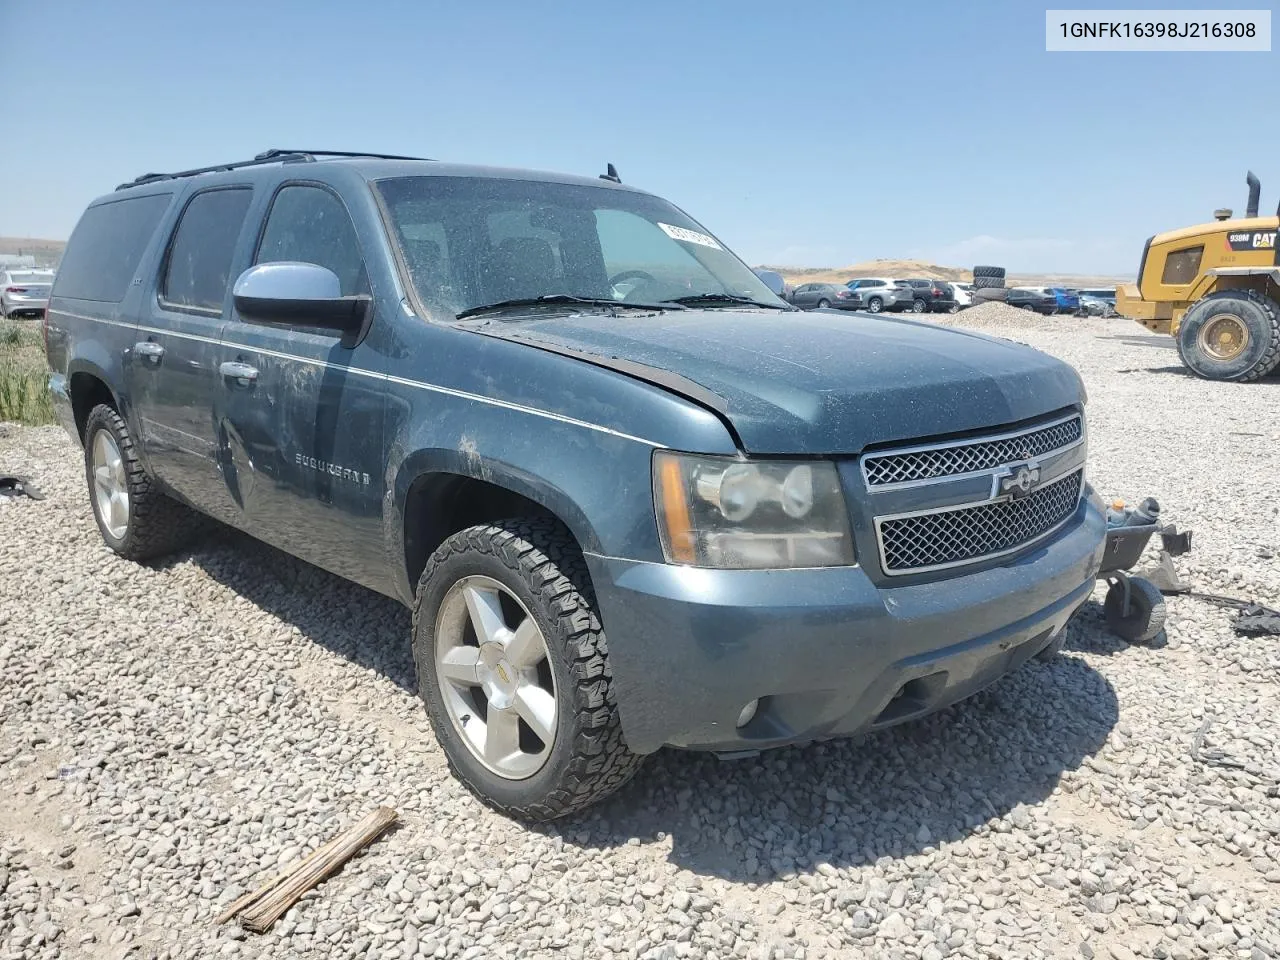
816, 383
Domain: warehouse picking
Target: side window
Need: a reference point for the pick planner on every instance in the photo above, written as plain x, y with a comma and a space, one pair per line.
106, 247
310, 225
199, 262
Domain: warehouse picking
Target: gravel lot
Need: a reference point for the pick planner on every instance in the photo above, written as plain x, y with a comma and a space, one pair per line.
171, 734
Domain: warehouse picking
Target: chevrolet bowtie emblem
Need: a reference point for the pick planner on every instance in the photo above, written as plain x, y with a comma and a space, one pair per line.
1016, 482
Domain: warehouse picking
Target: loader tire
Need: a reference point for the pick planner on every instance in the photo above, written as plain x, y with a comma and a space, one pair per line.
1232, 335
986, 294
994, 272
988, 283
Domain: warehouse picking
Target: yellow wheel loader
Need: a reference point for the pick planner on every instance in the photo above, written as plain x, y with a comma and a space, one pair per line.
1216, 288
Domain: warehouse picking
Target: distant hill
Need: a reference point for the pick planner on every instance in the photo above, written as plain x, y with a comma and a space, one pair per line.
46, 252
934, 271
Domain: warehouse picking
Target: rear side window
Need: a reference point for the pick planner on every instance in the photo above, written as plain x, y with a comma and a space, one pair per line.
199, 262
310, 225
106, 247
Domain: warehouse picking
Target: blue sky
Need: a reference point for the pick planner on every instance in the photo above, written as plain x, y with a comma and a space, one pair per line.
811, 134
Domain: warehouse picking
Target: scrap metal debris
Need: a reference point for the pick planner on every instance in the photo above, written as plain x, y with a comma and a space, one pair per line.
19, 486
1252, 619
259, 910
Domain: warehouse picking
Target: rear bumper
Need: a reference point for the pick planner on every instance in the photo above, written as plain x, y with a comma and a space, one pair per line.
827, 652
28, 305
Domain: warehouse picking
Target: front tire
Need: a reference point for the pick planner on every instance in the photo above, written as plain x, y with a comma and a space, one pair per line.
135, 519
875, 305
513, 667
1232, 335
917, 306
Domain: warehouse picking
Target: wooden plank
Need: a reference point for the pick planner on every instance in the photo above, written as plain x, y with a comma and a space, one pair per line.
263, 907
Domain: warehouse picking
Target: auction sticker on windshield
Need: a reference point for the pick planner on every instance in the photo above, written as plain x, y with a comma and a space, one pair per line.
689, 236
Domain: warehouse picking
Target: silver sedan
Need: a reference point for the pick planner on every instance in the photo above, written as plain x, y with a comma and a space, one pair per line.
24, 292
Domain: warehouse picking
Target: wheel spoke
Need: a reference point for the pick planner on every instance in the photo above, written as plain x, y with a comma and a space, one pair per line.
501, 736
524, 646
119, 509
537, 708
486, 614
459, 664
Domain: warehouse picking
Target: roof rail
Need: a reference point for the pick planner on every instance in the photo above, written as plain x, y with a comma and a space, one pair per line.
273, 155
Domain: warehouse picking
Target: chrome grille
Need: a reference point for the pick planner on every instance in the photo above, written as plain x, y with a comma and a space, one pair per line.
930, 463
928, 541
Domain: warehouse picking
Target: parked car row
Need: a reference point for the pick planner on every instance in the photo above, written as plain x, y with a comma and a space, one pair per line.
878, 294
919, 295
1061, 300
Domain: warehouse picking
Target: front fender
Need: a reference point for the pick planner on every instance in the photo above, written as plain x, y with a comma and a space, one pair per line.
598, 486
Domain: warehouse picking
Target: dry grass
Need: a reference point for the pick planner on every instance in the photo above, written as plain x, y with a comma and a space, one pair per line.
24, 389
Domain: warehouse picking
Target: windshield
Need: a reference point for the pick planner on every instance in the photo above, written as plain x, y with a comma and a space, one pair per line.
472, 241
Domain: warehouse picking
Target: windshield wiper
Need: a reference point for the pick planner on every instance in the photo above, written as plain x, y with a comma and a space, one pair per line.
555, 298
699, 298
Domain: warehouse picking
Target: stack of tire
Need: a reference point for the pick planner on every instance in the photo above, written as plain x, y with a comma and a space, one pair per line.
988, 284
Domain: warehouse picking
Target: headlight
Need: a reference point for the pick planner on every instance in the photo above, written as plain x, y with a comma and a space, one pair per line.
719, 512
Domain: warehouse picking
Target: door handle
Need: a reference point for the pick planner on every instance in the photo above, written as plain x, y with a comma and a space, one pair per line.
149, 350
240, 372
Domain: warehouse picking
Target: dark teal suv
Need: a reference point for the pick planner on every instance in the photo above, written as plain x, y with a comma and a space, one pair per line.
633, 499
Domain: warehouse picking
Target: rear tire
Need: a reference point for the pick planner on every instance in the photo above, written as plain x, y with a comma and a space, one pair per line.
1232, 335
539, 565
823, 303
135, 519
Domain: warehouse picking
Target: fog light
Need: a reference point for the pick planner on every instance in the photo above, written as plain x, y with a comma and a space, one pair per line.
748, 713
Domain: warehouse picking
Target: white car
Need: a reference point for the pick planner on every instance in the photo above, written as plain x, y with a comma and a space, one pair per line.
964, 293
24, 291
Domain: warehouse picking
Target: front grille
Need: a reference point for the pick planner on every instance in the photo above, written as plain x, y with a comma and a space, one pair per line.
949, 461
931, 540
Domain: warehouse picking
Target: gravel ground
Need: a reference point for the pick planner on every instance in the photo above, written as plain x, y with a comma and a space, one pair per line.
171, 734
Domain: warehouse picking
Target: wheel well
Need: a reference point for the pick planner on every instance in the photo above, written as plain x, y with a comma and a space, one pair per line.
440, 504
87, 391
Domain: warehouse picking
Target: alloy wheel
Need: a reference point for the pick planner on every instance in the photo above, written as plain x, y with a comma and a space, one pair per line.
110, 485
494, 677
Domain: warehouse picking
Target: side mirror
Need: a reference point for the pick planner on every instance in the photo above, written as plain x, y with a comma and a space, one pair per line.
302, 294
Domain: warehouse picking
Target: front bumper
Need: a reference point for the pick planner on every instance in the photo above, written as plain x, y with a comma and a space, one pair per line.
827, 652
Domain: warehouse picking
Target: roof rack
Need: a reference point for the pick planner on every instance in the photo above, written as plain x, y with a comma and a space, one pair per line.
274, 155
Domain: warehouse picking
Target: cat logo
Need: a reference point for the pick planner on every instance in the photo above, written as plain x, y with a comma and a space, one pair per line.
1255, 240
